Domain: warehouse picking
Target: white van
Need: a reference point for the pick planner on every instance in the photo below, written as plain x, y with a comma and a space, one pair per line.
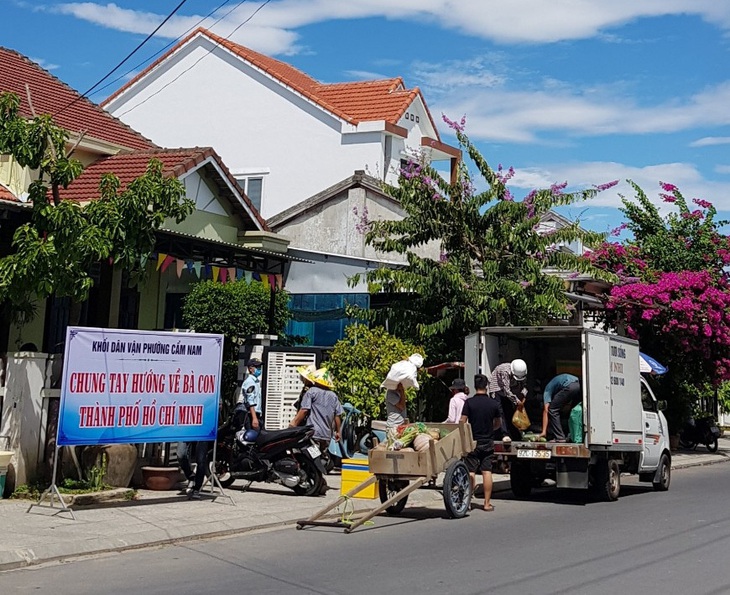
624, 430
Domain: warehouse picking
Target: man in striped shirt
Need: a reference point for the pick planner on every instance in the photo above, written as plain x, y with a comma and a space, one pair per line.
507, 385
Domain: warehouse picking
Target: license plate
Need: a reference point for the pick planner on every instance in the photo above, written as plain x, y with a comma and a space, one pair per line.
533, 454
314, 451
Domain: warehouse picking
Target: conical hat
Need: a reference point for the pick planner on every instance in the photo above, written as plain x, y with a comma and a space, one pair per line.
306, 372
323, 378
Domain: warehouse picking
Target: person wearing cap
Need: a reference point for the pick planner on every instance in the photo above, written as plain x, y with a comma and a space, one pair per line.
459, 395
508, 386
250, 393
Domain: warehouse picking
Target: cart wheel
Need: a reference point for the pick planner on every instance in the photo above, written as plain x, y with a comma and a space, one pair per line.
389, 488
457, 490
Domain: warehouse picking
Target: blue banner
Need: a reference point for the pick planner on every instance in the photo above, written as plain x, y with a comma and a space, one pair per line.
129, 386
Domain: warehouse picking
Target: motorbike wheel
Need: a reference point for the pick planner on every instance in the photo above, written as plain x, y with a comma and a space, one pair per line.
311, 485
687, 444
387, 489
712, 445
222, 471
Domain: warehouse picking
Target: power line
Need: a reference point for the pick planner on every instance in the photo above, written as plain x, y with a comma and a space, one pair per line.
106, 76
173, 42
215, 46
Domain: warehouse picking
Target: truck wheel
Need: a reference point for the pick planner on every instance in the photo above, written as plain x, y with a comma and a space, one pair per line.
521, 480
607, 480
457, 490
388, 488
664, 473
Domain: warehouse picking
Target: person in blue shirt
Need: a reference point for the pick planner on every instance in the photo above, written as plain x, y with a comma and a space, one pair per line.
251, 393
562, 389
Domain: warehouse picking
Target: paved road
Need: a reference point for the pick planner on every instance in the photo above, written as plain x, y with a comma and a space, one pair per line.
647, 542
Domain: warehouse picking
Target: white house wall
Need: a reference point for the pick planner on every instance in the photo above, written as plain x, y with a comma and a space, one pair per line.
252, 122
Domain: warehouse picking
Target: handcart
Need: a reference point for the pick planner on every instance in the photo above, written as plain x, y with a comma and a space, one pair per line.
400, 473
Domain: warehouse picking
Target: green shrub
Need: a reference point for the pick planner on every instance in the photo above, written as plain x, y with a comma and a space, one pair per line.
360, 362
235, 310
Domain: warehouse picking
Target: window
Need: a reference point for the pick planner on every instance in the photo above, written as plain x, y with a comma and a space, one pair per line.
321, 317
647, 402
254, 188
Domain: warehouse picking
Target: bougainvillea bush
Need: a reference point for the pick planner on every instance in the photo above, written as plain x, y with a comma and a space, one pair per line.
674, 293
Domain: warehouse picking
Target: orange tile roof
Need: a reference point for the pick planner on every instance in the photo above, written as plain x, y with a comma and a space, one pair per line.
50, 96
354, 102
127, 167
5, 194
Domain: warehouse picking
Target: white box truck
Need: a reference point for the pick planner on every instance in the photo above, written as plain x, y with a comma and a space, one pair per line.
624, 430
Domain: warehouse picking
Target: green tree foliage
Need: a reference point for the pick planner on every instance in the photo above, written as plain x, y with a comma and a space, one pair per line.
54, 252
360, 362
494, 262
235, 310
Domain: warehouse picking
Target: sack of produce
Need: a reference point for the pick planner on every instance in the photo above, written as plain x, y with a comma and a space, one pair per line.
403, 372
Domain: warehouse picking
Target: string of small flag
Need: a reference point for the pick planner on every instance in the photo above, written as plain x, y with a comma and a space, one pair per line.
214, 272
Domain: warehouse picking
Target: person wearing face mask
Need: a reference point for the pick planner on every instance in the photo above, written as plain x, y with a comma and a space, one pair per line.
250, 393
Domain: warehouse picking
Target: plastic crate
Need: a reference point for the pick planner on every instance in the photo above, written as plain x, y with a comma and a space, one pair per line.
355, 472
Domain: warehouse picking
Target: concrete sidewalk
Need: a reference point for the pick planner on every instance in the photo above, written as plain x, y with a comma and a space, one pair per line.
157, 518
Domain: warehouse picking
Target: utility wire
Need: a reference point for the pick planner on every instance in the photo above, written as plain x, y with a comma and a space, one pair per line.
106, 76
215, 46
173, 42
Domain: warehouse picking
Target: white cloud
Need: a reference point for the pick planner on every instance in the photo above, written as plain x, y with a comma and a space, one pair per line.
722, 169
529, 21
520, 116
686, 177
44, 63
710, 141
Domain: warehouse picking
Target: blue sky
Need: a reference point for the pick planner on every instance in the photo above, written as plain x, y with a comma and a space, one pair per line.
583, 91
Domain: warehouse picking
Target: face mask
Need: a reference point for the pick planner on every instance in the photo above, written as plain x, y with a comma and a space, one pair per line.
257, 372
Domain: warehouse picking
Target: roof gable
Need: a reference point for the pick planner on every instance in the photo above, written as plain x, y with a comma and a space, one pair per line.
52, 96
353, 102
175, 162
358, 179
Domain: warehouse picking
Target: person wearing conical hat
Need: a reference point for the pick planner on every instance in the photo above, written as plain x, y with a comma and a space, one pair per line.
321, 409
305, 373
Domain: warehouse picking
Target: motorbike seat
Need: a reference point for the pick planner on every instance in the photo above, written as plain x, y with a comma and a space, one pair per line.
267, 436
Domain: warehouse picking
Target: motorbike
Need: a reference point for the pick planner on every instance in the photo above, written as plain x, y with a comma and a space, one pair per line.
700, 431
288, 457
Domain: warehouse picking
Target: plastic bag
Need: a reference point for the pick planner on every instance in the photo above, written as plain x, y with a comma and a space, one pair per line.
520, 420
575, 423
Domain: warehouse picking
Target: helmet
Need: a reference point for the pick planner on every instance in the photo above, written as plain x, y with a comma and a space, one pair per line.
250, 435
518, 367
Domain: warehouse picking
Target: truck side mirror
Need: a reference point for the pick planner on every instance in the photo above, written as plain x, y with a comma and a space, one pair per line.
662, 405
